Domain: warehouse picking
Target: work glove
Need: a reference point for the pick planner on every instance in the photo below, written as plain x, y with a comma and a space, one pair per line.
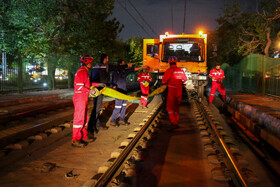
146, 84
94, 92
143, 82
101, 85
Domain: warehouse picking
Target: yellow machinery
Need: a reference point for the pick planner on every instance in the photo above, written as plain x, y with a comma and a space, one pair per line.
191, 52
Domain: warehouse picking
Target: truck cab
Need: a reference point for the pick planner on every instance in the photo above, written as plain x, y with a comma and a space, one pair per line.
191, 52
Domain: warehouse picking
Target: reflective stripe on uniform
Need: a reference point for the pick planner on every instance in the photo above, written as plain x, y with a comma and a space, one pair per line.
77, 126
144, 97
212, 94
124, 104
78, 92
118, 106
80, 88
178, 72
169, 86
80, 84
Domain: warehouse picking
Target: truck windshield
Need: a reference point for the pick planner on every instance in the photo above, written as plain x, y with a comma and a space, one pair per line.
185, 49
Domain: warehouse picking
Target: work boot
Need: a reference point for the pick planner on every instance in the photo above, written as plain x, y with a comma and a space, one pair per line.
88, 140
123, 123
103, 128
172, 127
144, 107
114, 124
78, 143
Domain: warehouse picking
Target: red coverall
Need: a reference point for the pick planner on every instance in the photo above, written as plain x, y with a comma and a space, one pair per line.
80, 100
217, 75
175, 77
145, 90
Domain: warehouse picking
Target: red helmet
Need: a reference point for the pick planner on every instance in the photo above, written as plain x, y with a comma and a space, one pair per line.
172, 59
87, 59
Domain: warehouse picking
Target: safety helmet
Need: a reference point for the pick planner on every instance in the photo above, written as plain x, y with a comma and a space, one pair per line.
87, 59
172, 59
146, 67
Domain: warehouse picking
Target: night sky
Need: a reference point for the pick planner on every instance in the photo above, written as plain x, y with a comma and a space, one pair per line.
201, 14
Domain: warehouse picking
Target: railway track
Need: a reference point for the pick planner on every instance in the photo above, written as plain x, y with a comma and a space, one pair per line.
129, 153
31, 126
29, 134
227, 164
206, 151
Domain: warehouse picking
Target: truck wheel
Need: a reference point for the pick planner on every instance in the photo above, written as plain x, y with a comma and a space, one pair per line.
200, 91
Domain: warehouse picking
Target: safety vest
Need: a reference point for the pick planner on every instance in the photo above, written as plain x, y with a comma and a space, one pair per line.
215, 74
144, 77
174, 76
82, 82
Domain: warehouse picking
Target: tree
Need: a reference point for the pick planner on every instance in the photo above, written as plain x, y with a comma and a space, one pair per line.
225, 38
58, 28
20, 24
86, 29
135, 52
242, 33
258, 28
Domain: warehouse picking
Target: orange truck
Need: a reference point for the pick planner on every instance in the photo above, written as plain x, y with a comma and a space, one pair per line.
191, 52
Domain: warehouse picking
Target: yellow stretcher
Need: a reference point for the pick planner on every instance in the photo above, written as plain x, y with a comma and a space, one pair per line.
114, 93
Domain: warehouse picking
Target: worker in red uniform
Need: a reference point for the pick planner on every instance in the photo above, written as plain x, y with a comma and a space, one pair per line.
80, 99
144, 78
217, 75
174, 77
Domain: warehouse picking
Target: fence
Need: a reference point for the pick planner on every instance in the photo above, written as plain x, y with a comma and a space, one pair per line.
34, 76
254, 73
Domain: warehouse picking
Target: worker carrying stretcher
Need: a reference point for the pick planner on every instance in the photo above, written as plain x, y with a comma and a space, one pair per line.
144, 78
217, 75
174, 77
80, 99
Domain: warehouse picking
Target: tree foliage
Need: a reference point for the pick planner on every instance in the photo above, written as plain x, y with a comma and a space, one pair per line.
227, 33
240, 33
135, 50
60, 31
259, 29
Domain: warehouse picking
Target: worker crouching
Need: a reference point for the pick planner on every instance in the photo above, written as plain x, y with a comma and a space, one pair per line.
144, 78
217, 75
80, 99
174, 77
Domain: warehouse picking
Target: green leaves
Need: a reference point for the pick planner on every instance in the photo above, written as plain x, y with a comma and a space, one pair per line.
135, 50
60, 31
242, 33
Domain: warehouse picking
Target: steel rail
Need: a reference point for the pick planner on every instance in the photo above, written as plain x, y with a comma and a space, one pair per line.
23, 134
111, 172
35, 111
224, 146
